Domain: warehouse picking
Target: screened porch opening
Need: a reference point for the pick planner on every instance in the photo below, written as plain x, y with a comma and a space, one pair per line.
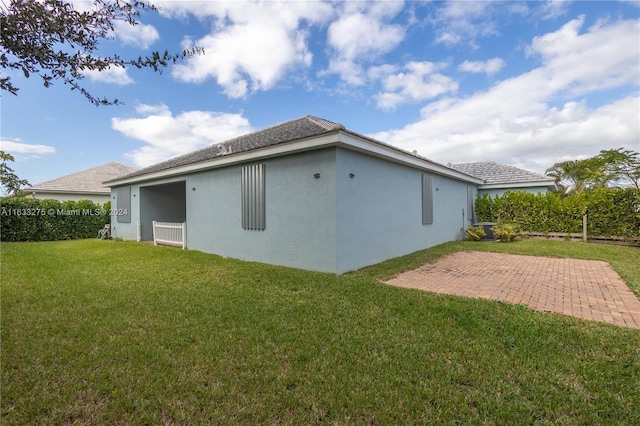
162, 203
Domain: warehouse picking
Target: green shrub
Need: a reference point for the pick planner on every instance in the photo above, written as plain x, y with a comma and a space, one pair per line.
506, 232
475, 233
29, 219
610, 211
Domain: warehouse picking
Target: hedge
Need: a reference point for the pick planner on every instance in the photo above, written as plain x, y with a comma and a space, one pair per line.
610, 211
29, 219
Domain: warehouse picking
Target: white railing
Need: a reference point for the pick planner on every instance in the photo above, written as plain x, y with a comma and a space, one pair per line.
170, 233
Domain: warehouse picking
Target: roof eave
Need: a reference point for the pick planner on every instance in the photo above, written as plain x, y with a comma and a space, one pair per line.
548, 183
342, 138
64, 191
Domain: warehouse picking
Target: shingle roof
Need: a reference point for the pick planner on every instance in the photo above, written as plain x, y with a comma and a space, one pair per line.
85, 181
288, 131
495, 173
299, 129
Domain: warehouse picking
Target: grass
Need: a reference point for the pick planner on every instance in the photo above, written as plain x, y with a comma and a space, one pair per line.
109, 332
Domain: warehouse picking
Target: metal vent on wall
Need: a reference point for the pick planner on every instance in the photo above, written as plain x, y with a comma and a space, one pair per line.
427, 200
253, 197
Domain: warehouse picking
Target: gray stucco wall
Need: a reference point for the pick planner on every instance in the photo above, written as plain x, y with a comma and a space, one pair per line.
380, 210
126, 231
331, 223
300, 213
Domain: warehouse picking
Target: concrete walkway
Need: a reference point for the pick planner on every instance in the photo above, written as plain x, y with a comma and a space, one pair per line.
587, 289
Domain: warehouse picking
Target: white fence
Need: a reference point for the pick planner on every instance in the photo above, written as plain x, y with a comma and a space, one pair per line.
170, 233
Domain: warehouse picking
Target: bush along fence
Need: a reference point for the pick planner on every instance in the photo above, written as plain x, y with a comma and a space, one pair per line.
611, 213
28, 219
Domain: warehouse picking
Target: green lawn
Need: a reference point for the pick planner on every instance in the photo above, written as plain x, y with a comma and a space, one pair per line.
104, 332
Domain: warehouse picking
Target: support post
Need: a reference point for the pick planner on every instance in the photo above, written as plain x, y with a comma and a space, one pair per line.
584, 227
155, 243
184, 235
139, 232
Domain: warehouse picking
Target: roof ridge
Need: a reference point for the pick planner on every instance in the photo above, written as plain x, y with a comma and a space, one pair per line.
324, 123
313, 119
470, 162
116, 162
520, 170
228, 142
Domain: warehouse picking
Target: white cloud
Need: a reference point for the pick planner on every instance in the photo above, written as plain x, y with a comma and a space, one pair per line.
458, 22
544, 113
362, 33
166, 136
466, 22
252, 44
23, 150
140, 35
420, 81
378, 72
83, 5
112, 75
569, 57
160, 109
488, 67
554, 8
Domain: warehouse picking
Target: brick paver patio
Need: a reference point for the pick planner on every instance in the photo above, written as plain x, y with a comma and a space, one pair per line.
587, 289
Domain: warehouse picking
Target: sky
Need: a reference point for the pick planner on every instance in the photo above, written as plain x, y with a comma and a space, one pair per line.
525, 84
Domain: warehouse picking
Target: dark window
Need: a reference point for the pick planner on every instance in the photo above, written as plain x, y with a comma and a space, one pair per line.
123, 204
427, 200
253, 202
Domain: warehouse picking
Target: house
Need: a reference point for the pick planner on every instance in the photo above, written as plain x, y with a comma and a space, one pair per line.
82, 185
307, 193
499, 178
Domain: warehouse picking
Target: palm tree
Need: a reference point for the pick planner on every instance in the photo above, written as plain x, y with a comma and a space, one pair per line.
570, 176
622, 167
614, 167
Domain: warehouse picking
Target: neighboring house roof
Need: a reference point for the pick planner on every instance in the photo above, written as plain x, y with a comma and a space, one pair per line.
304, 133
87, 181
497, 175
